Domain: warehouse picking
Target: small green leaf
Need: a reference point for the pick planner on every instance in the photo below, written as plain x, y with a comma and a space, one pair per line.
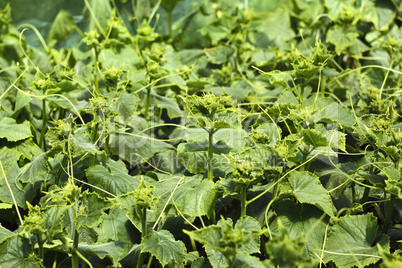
164, 247
12, 131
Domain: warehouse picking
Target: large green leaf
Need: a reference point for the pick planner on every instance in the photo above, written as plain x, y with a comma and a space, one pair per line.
115, 226
380, 13
195, 197
113, 250
12, 131
99, 12
307, 188
21, 192
136, 148
4, 233
164, 247
341, 38
92, 206
113, 178
63, 25
127, 104
16, 251
351, 241
36, 168
303, 220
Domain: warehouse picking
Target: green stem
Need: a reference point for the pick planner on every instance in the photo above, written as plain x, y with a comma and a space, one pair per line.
60, 170
107, 145
42, 142
170, 24
141, 258
388, 215
94, 139
210, 155
243, 201
40, 245
150, 261
74, 256
365, 195
96, 84
146, 112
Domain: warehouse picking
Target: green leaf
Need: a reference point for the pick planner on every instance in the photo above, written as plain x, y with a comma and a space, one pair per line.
351, 241
251, 225
99, 14
92, 206
305, 220
36, 168
22, 192
341, 38
115, 226
113, 250
136, 148
314, 138
331, 111
380, 13
16, 251
336, 7
82, 144
246, 260
169, 104
164, 247
277, 24
12, 131
195, 197
220, 54
113, 179
335, 179
5, 233
127, 104
219, 29
307, 189
63, 25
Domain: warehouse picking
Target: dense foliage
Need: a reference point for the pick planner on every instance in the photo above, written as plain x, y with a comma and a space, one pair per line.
200, 133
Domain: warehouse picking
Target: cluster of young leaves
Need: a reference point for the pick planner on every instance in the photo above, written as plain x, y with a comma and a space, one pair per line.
200, 133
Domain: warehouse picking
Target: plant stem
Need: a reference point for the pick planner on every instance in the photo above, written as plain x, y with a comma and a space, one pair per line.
42, 142
243, 200
40, 245
60, 170
150, 261
170, 24
74, 256
143, 234
94, 139
210, 155
365, 195
388, 214
107, 145
146, 112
